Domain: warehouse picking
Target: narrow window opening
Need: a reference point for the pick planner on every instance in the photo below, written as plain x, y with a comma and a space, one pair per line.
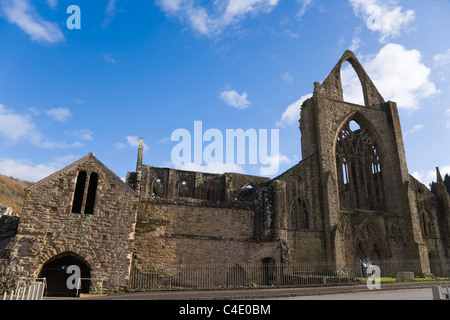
79, 192
299, 215
351, 85
359, 169
211, 193
92, 191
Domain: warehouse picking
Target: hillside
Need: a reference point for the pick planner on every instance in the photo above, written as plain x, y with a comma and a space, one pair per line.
12, 193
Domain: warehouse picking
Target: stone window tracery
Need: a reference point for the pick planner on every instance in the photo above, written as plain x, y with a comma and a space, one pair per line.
425, 224
359, 169
299, 217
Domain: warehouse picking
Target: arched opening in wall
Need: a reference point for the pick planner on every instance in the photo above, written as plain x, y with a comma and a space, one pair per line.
61, 273
299, 217
426, 226
157, 188
183, 189
91, 195
211, 194
79, 192
436, 266
375, 254
236, 277
359, 169
269, 271
351, 85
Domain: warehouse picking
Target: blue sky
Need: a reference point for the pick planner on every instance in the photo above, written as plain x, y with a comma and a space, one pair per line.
145, 68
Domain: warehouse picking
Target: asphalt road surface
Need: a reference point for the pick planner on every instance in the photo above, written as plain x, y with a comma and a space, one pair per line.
401, 291
408, 294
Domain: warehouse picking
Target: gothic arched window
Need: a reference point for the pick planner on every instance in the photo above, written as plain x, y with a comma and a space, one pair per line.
426, 225
299, 217
359, 169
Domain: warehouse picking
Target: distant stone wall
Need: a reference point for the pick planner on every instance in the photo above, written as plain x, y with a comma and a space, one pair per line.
8, 229
194, 232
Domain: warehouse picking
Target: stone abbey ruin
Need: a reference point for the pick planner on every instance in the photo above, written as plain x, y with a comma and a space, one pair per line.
350, 198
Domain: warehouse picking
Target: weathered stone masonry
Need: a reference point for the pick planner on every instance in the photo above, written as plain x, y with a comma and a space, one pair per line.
350, 198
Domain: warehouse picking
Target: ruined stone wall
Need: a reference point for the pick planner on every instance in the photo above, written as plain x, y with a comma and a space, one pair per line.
8, 229
322, 119
429, 215
9, 224
103, 239
170, 232
168, 183
302, 181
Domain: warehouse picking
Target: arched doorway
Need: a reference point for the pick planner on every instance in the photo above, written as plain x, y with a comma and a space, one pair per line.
57, 272
236, 276
269, 271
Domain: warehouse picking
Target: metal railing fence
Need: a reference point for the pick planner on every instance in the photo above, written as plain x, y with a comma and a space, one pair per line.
27, 289
247, 275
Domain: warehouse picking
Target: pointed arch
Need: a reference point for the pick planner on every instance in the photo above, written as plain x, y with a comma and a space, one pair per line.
359, 164
426, 224
55, 272
299, 215
183, 188
352, 90
333, 83
370, 242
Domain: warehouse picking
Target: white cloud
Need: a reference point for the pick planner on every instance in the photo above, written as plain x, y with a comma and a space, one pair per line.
426, 177
22, 14
274, 165
15, 127
212, 19
442, 60
292, 113
234, 99
132, 141
26, 170
356, 43
110, 12
414, 129
59, 114
399, 75
447, 123
305, 4
109, 58
217, 168
287, 78
385, 17
417, 128
83, 134
52, 3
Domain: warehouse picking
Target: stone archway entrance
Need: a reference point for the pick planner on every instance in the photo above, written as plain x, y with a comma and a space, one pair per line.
57, 275
269, 271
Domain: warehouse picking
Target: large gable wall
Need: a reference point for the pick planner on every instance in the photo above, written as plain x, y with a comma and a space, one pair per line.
48, 227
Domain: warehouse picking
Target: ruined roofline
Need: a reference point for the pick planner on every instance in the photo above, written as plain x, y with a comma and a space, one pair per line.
206, 173
333, 83
88, 157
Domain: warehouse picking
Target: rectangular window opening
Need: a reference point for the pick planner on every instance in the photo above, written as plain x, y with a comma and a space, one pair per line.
92, 190
79, 192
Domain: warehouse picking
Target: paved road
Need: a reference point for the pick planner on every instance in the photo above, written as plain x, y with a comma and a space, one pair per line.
408, 294
401, 291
